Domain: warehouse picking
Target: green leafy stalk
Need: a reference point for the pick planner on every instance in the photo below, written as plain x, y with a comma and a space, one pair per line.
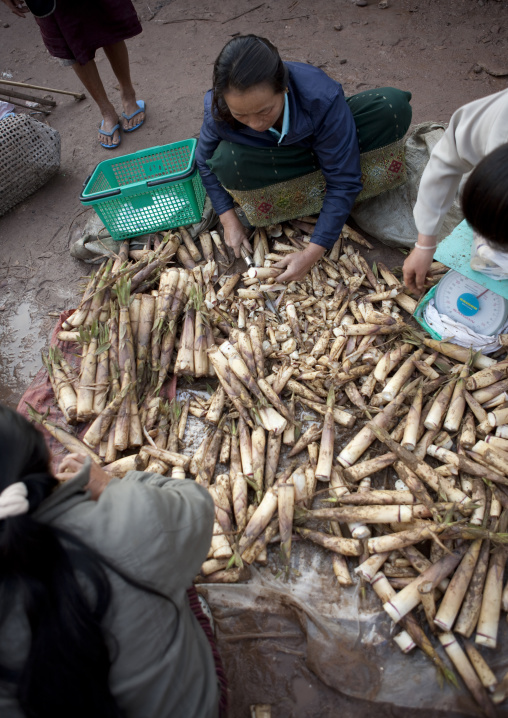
123, 292
103, 343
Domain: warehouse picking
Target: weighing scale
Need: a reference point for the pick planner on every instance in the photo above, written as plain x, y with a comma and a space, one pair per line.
468, 303
455, 252
464, 296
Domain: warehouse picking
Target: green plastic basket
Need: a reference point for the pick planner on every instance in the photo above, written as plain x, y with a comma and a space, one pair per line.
147, 191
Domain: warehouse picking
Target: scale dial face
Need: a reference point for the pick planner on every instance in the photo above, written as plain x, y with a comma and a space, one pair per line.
468, 303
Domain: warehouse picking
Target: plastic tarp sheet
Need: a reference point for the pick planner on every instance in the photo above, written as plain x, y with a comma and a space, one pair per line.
308, 647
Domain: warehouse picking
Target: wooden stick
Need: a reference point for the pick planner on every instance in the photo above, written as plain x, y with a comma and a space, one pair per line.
25, 106
31, 98
242, 14
77, 95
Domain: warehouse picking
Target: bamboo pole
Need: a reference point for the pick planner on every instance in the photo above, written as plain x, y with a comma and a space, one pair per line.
385, 592
24, 105
76, 95
488, 679
426, 591
370, 567
452, 600
467, 673
286, 501
488, 620
409, 597
421, 469
30, 98
501, 692
370, 466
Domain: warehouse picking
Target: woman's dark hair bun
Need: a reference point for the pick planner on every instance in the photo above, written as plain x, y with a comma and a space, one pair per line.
244, 62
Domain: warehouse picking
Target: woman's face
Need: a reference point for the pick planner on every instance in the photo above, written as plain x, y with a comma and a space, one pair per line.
259, 107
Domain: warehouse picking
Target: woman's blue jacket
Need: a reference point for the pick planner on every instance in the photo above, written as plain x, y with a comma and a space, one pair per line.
319, 118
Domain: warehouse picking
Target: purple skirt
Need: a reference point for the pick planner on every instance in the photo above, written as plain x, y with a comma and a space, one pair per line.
77, 29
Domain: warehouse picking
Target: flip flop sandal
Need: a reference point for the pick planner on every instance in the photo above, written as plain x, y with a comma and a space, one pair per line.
116, 128
142, 108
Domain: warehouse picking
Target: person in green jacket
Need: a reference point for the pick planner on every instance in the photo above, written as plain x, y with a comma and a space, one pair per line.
94, 578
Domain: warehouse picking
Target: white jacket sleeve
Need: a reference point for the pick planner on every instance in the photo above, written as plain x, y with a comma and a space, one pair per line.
474, 130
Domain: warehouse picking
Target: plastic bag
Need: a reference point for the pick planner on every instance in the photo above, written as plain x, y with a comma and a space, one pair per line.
389, 216
491, 262
312, 648
444, 328
449, 330
5, 109
91, 241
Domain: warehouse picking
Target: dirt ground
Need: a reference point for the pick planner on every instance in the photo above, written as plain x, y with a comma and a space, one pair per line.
443, 51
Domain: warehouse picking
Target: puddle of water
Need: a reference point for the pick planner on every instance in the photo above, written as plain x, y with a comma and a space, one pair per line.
20, 346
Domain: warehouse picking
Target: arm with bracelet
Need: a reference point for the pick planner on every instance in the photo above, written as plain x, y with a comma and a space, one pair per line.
475, 130
418, 263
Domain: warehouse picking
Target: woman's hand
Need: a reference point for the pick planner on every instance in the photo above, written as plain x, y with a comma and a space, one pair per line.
418, 263
297, 264
234, 232
18, 8
73, 463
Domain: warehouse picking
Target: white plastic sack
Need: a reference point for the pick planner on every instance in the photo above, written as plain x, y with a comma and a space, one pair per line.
491, 262
5, 108
450, 330
389, 216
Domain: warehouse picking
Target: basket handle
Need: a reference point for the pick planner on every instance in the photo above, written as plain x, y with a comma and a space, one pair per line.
173, 178
99, 195
87, 180
96, 196
149, 183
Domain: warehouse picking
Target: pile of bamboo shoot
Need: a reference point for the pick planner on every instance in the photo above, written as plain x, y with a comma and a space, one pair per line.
415, 503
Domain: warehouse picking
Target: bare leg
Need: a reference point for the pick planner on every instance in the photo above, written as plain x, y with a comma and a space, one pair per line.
118, 57
89, 76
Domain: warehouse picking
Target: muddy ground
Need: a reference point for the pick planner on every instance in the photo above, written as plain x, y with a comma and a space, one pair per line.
443, 51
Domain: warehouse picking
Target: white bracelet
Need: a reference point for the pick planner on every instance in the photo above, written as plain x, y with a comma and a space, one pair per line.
420, 246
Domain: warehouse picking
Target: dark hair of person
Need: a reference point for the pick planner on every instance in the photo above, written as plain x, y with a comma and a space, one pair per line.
66, 672
244, 62
67, 667
485, 198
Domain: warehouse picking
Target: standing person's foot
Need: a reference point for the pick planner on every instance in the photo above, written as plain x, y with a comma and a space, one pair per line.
133, 114
109, 131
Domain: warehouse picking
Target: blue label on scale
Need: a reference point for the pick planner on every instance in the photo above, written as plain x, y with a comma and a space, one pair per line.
468, 304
